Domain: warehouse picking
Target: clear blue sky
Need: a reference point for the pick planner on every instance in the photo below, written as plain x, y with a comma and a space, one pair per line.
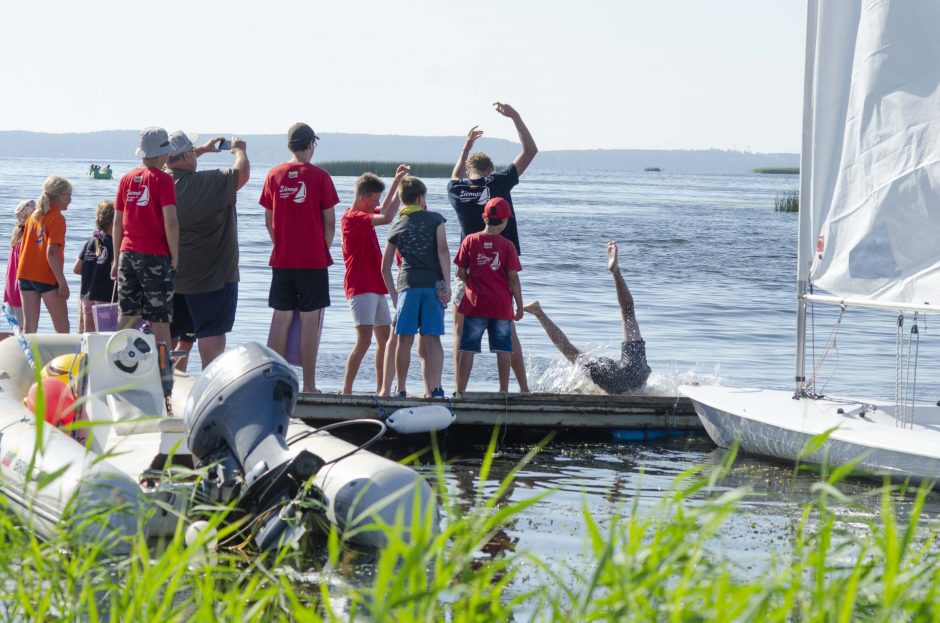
670, 74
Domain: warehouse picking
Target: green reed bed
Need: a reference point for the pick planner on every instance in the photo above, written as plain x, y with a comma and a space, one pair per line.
644, 564
778, 170
355, 168
787, 202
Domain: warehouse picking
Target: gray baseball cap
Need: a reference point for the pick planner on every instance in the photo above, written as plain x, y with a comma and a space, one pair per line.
153, 142
180, 142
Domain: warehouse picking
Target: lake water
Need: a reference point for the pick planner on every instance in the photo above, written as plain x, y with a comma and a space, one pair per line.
711, 267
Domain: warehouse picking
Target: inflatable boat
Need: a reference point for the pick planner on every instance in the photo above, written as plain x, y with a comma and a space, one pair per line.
97, 173
115, 470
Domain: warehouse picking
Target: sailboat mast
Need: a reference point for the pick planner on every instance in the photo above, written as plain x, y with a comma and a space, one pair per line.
804, 252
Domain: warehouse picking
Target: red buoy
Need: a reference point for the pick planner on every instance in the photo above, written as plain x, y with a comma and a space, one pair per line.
59, 402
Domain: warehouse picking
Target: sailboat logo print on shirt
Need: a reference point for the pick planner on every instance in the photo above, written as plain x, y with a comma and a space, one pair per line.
140, 197
495, 265
301, 195
484, 196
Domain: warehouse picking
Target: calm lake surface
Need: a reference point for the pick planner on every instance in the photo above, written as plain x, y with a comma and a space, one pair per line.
712, 269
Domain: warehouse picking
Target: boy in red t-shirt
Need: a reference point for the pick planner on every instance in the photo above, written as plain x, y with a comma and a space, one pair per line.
298, 200
489, 265
146, 237
364, 285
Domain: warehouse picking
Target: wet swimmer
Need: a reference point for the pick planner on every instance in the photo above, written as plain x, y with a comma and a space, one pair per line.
614, 377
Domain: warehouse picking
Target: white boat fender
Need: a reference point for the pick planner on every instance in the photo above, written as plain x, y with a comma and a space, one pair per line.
424, 419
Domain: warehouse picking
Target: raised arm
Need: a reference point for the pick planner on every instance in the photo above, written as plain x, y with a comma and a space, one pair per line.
392, 200
239, 148
460, 169
387, 258
529, 149
211, 146
443, 256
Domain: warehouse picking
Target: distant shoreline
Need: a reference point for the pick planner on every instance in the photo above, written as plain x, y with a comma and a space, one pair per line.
117, 145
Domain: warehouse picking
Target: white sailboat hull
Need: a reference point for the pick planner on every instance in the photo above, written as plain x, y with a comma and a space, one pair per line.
773, 424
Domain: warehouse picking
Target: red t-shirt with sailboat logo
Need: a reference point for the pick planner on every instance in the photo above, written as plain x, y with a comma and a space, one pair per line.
488, 259
142, 194
297, 193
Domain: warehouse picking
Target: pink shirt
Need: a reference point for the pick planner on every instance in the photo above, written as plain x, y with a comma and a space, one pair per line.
11, 289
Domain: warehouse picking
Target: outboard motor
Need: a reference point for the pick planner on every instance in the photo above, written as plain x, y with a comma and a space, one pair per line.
236, 419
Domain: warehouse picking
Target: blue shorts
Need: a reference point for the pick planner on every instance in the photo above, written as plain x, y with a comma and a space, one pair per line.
419, 308
213, 313
498, 331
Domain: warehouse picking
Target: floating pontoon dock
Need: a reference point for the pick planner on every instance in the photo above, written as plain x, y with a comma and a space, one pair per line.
627, 418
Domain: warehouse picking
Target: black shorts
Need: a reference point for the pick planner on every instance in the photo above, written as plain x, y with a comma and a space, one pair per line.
182, 325
620, 377
301, 289
213, 313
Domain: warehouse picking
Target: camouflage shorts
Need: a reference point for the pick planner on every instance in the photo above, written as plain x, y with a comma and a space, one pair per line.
145, 286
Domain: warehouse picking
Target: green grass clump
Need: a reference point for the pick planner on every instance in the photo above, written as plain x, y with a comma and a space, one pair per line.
787, 202
355, 168
642, 564
778, 170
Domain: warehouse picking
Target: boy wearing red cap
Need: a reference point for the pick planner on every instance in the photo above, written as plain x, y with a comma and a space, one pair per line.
489, 266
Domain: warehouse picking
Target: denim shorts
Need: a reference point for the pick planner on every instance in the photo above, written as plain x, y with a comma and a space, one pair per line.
498, 331
27, 285
419, 311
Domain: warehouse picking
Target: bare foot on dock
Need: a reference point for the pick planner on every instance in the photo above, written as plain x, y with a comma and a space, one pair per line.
612, 265
532, 308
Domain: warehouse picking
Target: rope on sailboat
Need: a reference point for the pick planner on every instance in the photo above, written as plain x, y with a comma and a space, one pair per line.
812, 332
913, 343
899, 405
830, 345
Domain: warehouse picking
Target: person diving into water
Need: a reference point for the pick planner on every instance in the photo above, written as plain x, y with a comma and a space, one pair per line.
614, 377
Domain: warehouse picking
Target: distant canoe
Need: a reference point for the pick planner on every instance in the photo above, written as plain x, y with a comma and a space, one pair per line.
100, 174
526, 416
653, 169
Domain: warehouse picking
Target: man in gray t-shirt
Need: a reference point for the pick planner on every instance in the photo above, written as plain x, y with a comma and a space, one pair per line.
207, 275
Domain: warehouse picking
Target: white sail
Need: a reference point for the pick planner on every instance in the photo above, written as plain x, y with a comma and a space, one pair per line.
870, 213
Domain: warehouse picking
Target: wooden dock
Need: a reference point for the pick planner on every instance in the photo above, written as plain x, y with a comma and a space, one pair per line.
625, 418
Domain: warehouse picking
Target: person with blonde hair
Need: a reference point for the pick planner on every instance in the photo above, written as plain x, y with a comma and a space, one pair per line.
94, 265
11, 288
41, 271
